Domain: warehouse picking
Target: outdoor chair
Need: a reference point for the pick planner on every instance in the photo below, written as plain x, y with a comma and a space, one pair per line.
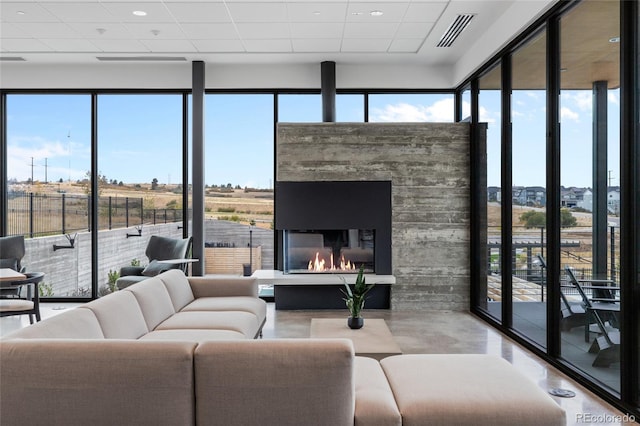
158, 249
607, 344
572, 313
18, 296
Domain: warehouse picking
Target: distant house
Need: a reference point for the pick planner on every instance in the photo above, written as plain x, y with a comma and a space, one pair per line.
493, 194
533, 196
613, 199
587, 200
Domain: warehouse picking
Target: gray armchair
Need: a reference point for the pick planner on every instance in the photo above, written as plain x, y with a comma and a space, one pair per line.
158, 249
18, 296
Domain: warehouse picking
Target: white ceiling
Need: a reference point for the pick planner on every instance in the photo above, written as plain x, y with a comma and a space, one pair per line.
257, 31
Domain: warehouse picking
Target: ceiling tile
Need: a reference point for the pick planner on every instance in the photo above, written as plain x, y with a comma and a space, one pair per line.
316, 30
115, 46
317, 12
361, 12
24, 45
205, 31
30, 12
414, 30
70, 45
199, 12
8, 30
258, 12
424, 12
111, 30
263, 30
165, 31
365, 45
169, 45
219, 45
156, 12
317, 45
406, 45
48, 30
80, 12
361, 30
264, 46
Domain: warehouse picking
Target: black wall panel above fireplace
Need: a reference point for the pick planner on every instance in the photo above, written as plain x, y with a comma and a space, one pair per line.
337, 205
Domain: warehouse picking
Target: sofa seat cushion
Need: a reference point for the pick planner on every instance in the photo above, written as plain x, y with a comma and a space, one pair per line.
78, 323
256, 306
375, 404
467, 389
242, 322
191, 335
14, 305
119, 315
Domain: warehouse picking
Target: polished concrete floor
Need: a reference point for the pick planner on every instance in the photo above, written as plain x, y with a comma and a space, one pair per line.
427, 332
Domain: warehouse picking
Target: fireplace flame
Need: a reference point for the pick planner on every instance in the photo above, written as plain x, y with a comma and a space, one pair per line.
319, 265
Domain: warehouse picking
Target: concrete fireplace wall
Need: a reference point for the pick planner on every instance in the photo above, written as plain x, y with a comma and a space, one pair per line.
428, 166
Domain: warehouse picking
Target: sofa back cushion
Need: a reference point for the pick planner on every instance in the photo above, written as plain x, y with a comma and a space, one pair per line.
78, 323
119, 315
178, 287
154, 301
97, 382
296, 382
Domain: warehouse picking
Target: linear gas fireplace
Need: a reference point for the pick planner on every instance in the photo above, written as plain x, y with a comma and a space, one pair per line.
329, 251
334, 226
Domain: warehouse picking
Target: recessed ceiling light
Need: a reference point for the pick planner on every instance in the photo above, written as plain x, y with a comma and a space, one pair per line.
614, 40
20, 12
376, 13
140, 13
316, 12
357, 13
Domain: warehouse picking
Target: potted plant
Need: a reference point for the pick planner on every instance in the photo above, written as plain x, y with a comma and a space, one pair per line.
355, 299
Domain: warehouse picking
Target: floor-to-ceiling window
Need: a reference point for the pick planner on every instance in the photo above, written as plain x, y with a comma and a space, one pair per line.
139, 178
48, 191
489, 103
528, 188
590, 189
568, 193
239, 173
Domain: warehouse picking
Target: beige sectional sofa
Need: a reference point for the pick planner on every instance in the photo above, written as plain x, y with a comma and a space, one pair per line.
173, 350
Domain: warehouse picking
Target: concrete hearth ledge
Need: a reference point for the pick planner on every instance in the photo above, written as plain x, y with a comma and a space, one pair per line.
274, 277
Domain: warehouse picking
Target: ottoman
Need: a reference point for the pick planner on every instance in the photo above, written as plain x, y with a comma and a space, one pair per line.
464, 389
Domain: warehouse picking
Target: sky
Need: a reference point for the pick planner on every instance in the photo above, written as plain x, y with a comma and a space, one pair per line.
139, 136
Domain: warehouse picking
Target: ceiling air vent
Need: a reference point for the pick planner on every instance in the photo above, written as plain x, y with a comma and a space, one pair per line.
455, 29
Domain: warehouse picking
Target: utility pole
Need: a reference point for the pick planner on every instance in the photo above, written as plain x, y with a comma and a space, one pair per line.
46, 180
31, 170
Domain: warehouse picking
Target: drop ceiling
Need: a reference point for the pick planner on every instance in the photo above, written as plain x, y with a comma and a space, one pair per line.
244, 31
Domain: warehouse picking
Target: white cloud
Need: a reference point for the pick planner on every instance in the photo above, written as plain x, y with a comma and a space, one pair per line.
568, 114
22, 152
614, 97
440, 111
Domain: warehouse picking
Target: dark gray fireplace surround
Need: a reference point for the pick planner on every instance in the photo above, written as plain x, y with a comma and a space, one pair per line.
334, 205
337, 205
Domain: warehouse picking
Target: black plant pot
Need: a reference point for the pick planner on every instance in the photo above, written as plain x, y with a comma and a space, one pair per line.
355, 323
